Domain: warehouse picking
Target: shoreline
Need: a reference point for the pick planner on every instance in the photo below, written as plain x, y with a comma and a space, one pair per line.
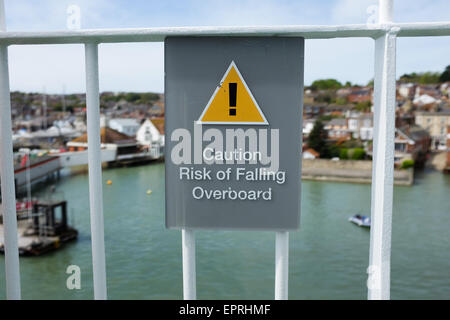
352, 171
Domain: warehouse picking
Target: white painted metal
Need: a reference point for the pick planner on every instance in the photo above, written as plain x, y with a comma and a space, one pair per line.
383, 161
385, 35
28, 174
95, 171
159, 34
7, 183
12, 270
281, 265
189, 274
386, 11
2, 16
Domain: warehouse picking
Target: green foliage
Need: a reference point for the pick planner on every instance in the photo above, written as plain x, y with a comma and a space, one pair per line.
72, 97
445, 76
407, 164
358, 154
326, 117
326, 84
422, 78
132, 97
363, 106
429, 78
341, 101
352, 153
109, 98
353, 143
343, 154
333, 151
327, 97
317, 138
58, 106
318, 141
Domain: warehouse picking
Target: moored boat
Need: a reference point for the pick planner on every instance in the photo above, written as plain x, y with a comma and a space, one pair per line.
361, 221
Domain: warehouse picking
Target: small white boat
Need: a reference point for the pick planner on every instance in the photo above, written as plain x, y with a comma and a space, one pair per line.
362, 221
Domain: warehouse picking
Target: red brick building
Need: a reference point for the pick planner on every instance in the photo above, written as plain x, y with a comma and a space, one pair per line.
360, 95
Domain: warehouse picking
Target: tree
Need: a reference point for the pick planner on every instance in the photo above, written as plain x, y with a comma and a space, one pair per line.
422, 78
326, 84
358, 154
445, 76
429, 78
317, 139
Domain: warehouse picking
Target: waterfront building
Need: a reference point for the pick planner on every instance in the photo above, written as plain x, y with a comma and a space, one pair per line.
151, 136
109, 139
310, 154
365, 122
338, 129
308, 125
411, 142
436, 124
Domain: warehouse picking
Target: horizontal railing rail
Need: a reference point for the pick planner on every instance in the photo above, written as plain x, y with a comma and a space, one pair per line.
384, 33
419, 29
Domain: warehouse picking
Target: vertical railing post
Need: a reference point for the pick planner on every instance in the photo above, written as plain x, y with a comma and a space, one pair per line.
189, 274
12, 271
281, 265
386, 11
95, 171
383, 158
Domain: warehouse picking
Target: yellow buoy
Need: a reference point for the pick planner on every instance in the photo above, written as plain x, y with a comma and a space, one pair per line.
109, 182
149, 192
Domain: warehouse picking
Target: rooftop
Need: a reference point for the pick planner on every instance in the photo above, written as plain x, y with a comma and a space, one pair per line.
438, 113
158, 123
108, 135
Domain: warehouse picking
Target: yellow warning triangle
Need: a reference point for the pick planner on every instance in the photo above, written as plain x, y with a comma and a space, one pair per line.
233, 102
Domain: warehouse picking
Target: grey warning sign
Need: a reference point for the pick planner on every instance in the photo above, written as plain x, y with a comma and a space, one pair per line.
233, 132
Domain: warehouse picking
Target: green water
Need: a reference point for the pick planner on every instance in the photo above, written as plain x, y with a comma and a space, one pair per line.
328, 256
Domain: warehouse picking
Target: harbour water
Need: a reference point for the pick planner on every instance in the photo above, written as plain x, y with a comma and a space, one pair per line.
328, 256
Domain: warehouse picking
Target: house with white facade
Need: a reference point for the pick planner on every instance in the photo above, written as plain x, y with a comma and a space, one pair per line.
151, 135
310, 154
308, 125
366, 127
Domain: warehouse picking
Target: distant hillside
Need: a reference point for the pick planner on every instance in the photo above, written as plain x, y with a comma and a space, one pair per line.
22, 102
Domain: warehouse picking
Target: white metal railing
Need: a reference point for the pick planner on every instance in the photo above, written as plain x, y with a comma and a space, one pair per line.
384, 33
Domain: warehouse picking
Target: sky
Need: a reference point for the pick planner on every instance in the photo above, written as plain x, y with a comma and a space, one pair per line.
139, 66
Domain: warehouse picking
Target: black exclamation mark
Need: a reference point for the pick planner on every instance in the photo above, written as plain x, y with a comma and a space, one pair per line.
233, 97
